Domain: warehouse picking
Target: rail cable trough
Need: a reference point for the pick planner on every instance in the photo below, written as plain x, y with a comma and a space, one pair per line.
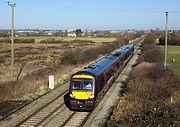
50, 110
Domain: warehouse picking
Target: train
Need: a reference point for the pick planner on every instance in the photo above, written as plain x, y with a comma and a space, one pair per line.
87, 84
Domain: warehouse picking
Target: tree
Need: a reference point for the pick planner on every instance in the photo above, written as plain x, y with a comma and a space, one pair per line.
78, 32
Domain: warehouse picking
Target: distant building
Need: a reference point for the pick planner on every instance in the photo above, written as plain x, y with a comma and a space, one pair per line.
50, 34
71, 33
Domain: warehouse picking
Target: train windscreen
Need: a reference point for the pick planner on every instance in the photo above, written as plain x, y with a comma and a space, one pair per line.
82, 84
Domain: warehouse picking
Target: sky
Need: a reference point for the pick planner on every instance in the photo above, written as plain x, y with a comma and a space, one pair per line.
91, 14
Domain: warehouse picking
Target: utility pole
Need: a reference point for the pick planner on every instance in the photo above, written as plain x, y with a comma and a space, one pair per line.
166, 41
12, 39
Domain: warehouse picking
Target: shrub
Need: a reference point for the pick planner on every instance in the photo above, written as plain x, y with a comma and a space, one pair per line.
152, 56
8, 40
151, 114
172, 40
77, 56
149, 91
148, 100
151, 52
54, 41
71, 57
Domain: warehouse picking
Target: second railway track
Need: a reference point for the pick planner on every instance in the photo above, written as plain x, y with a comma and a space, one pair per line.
38, 117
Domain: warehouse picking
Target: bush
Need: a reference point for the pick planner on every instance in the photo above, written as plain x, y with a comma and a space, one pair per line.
151, 52
151, 114
148, 102
151, 82
8, 40
53, 41
82, 56
5, 40
153, 55
71, 57
4, 34
172, 40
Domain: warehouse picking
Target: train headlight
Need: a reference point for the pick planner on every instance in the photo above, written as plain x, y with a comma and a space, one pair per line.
71, 95
92, 96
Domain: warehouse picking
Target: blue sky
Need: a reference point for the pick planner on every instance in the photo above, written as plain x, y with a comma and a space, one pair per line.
91, 14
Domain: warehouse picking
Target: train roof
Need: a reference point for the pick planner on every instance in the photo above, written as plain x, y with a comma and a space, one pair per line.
99, 66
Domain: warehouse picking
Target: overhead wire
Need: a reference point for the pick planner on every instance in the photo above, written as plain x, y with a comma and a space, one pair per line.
114, 9
119, 10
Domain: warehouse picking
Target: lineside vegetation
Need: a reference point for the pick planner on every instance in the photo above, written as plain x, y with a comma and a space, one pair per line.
152, 95
51, 60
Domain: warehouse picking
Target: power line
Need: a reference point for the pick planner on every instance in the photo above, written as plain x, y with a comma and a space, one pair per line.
174, 12
118, 10
121, 10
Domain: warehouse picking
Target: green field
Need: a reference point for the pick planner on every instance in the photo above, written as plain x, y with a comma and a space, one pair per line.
174, 53
39, 38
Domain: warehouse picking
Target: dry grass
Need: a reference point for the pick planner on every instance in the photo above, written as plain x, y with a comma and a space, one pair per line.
8, 40
147, 102
37, 77
75, 57
35, 62
32, 82
151, 97
151, 52
70, 39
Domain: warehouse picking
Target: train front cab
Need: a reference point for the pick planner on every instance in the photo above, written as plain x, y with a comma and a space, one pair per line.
82, 92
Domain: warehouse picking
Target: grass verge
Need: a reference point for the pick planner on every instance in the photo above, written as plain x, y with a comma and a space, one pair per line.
174, 53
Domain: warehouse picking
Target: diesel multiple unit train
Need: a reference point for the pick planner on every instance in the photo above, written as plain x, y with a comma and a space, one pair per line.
88, 83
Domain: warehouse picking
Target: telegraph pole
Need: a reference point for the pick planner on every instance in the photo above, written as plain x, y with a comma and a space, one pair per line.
12, 39
166, 41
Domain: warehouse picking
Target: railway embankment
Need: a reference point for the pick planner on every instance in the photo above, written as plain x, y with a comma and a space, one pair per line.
152, 96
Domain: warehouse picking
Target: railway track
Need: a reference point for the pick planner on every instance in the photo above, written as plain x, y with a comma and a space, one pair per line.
77, 119
45, 114
40, 116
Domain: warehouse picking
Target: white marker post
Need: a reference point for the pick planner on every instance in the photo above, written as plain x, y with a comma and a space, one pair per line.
51, 82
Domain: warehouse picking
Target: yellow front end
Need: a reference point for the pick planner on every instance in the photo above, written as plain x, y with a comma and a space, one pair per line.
82, 92
81, 95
